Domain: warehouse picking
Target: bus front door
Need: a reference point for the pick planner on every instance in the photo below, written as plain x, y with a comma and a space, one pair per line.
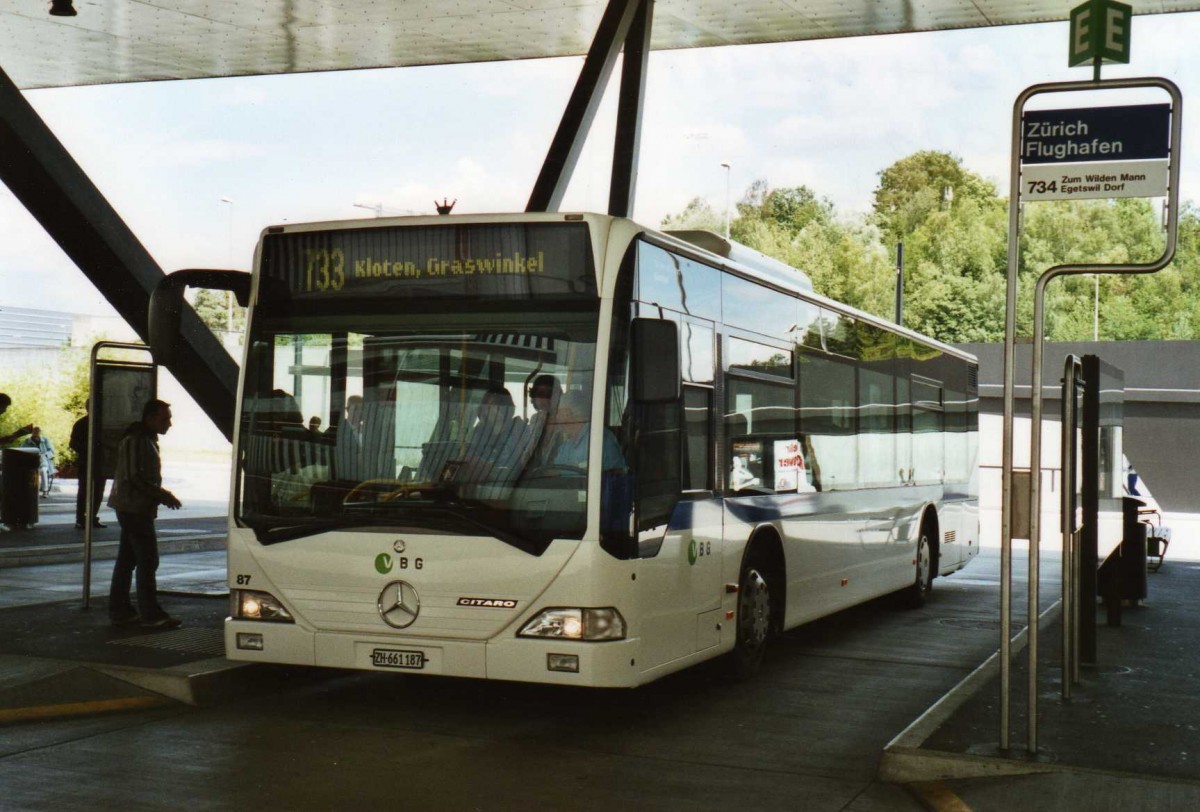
680, 584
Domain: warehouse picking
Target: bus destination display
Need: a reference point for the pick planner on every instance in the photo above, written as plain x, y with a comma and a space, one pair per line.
488, 260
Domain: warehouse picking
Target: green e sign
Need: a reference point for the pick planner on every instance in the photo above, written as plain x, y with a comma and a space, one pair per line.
1100, 31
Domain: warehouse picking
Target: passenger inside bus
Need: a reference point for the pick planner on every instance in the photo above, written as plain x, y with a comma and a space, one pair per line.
544, 394
293, 459
566, 441
284, 411
347, 456
494, 443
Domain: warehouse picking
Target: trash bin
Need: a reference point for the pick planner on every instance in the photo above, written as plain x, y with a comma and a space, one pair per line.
1133, 551
18, 486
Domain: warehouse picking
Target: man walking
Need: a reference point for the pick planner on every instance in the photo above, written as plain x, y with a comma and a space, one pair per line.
137, 492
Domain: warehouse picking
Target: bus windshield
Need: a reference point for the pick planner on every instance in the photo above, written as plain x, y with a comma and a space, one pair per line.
432, 378
457, 424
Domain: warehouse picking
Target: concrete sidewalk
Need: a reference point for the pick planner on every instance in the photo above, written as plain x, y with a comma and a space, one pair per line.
58, 659
1129, 738
200, 525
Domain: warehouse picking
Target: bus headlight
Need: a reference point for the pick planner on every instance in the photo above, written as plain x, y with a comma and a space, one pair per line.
247, 604
576, 624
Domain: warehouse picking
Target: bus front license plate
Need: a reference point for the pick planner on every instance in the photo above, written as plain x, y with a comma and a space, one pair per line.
396, 658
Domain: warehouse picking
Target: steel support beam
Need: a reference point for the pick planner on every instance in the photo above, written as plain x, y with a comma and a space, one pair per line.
41, 173
627, 141
581, 108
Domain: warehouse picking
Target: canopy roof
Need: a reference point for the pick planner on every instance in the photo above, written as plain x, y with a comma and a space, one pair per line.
144, 40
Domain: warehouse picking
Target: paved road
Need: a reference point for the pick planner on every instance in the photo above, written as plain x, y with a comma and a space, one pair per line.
805, 734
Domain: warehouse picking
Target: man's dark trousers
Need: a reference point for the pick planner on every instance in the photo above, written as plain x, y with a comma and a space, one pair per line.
139, 548
82, 515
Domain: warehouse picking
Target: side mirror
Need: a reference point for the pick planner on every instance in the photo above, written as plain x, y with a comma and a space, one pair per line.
166, 304
654, 350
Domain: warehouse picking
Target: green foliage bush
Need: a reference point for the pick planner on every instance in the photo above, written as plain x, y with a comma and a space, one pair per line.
54, 402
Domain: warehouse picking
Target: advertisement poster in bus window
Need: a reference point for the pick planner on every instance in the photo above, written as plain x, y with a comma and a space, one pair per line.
789, 465
747, 471
792, 472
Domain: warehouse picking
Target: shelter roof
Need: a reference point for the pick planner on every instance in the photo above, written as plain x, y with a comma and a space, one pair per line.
144, 40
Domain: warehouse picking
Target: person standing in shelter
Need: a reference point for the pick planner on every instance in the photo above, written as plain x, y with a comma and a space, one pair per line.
45, 450
79, 444
136, 494
5, 402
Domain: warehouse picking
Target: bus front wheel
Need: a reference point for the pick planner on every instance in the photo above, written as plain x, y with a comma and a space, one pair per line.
753, 622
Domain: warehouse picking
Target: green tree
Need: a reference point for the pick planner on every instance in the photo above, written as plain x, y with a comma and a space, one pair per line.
843, 258
953, 228
789, 210
915, 187
219, 311
1105, 232
696, 215
955, 271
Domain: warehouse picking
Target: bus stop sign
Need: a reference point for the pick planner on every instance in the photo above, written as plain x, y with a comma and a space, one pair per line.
1100, 30
1095, 152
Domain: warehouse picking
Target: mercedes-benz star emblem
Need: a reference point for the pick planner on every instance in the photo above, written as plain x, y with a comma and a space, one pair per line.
399, 604
398, 546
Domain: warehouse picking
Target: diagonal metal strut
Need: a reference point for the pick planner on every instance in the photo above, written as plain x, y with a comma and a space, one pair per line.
581, 108
44, 176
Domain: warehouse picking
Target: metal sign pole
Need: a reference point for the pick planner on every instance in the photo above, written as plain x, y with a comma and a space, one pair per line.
88, 486
1070, 588
1035, 444
1006, 454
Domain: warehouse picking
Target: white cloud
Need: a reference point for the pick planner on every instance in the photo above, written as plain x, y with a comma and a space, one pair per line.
476, 188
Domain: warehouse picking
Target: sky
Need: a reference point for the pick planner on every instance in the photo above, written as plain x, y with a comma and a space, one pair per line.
199, 168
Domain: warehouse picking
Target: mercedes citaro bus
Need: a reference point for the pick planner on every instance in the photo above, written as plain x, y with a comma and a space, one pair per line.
565, 448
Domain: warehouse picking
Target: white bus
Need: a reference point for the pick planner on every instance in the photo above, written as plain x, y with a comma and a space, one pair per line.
564, 448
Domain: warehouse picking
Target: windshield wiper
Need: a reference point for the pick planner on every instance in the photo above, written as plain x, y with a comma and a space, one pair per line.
507, 536
270, 530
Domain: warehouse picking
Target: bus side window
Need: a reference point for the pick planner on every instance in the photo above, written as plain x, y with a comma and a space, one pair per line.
928, 431
759, 411
827, 419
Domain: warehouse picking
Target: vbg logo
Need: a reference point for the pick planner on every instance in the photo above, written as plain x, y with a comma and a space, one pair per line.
383, 563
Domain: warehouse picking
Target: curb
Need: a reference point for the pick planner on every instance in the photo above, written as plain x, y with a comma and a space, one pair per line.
102, 551
197, 683
905, 762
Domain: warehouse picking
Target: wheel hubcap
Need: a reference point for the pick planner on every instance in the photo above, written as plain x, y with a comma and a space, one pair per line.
756, 609
923, 564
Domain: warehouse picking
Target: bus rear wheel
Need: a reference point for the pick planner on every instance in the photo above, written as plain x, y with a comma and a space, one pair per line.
917, 595
753, 622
